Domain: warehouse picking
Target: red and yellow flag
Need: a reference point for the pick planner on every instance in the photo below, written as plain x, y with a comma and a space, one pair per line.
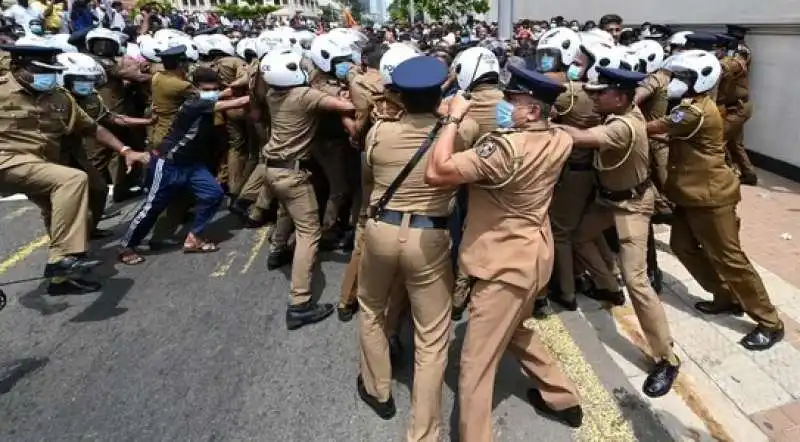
347, 19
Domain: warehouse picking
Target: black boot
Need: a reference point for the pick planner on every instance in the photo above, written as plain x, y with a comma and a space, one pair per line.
386, 410
306, 314
572, 416
279, 258
762, 339
659, 381
542, 308
73, 287
347, 311
70, 266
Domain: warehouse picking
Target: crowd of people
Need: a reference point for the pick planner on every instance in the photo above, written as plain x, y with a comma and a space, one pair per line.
465, 174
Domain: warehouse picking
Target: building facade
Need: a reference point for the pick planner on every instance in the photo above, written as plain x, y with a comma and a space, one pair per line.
287, 7
774, 37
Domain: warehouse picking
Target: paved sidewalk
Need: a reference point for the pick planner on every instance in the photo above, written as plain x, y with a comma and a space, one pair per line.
725, 393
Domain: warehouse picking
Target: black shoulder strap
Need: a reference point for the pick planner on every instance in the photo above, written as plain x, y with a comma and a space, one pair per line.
376, 209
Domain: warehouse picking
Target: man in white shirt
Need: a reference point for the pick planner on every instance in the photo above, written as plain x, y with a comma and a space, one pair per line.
22, 13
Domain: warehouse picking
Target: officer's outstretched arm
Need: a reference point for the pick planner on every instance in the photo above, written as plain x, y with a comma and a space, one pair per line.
231, 104
583, 138
657, 127
337, 104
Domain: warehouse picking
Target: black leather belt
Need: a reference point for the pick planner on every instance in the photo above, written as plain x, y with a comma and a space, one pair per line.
288, 164
580, 167
624, 195
417, 221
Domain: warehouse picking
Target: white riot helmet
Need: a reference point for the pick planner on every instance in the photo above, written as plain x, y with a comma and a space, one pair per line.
352, 39
150, 48
599, 55
272, 38
396, 54
203, 44
303, 41
132, 50
597, 35
220, 44
326, 51
82, 73
557, 48
282, 69
191, 48
650, 54
61, 41
473, 64
103, 34
35, 40
169, 33
678, 39
247, 48
694, 72
628, 59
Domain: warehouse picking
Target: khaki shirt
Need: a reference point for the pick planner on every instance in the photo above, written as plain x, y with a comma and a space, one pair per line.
575, 108
93, 106
623, 160
113, 92
365, 90
733, 84
230, 69
655, 106
507, 236
294, 119
169, 92
32, 126
389, 147
483, 109
698, 175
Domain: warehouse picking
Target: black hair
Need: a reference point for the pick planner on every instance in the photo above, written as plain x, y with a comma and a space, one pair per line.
204, 75
609, 19
425, 101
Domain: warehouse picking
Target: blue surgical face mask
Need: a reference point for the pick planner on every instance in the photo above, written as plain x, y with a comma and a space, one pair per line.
502, 114
465, 40
209, 95
574, 73
341, 70
547, 63
83, 88
37, 29
44, 82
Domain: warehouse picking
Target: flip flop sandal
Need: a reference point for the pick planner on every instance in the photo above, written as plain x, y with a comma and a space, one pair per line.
130, 258
202, 247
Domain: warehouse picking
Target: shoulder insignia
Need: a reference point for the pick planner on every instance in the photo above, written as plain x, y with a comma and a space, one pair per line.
677, 116
486, 148
502, 130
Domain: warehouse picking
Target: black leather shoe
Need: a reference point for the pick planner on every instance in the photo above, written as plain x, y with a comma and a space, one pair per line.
279, 258
385, 410
572, 416
73, 287
306, 314
761, 338
69, 266
584, 284
347, 311
240, 207
656, 278
749, 179
566, 304
659, 381
617, 298
542, 308
710, 308
396, 351
101, 233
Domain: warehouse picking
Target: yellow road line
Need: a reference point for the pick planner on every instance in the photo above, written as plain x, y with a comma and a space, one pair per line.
261, 239
223, 268
17, 213
602, 420
23, 253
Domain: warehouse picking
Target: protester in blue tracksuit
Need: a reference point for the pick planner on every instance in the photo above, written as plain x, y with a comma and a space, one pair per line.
180, 163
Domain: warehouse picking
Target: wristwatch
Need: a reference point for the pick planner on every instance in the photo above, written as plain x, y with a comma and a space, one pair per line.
451, 119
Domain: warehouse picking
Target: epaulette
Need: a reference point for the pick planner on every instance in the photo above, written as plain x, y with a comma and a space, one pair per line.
505, 130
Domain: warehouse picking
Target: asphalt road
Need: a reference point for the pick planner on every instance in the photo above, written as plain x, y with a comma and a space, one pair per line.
194, 348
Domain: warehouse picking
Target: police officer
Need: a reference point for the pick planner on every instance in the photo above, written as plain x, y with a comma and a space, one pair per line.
294, 117
625, 201
407, 238
37, 114
705, 231
508, 246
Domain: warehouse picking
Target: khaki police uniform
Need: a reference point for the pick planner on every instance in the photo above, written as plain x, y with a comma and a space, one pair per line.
409, 240
705, 231
654, 108
626, 201
576, 187
113, 93
733, 100
294, 122
238, 157
508, 249
31, 129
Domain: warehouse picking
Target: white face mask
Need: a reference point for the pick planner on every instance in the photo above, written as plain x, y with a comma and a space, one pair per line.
677, 89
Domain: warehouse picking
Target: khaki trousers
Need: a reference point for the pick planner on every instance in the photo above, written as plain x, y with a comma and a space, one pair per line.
734, 137
238, 155
496, 313
422, 258
632, 229
295, 193
60, 192
571, 200
330, 157
706, 241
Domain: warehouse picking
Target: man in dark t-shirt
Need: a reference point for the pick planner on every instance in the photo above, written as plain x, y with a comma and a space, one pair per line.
180, 163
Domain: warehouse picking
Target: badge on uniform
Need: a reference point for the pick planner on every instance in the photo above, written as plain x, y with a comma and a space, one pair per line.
486, 149
677, 116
